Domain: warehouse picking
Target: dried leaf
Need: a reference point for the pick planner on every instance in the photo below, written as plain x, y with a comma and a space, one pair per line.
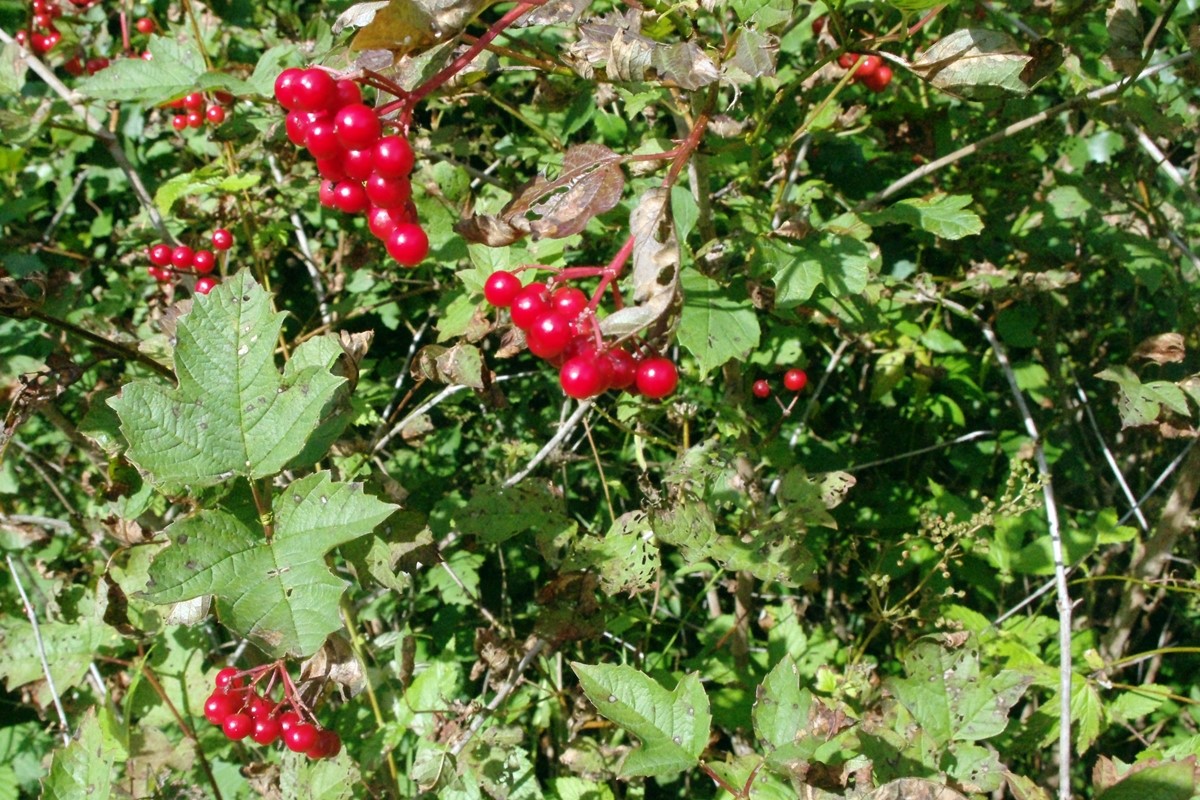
1125, 35
753, 58
616, 43
1166, 348
406, 25
460, 365
975, 63
556, 12
335, 661
590, 183
685, 65
655, 271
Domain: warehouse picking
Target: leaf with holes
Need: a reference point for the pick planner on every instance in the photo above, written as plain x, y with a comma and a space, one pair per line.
277, 592
673, 726
950, 699
232, 413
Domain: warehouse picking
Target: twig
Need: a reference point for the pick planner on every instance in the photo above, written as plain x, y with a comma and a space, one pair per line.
45, 522
403, 373
305, 249
97, 129
125, 353
933, 166
966, 437
1062, 592
564, 431
1112, 462
66, 203
41, 650
502, 695
1163, 163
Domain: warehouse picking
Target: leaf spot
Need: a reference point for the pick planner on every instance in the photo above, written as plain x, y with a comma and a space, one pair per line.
677, 740
243, 350
612, 698
324, 499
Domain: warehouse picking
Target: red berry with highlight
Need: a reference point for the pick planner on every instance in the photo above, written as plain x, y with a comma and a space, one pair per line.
761, 389
569, 301
549, 334
145, 25
583, 376
408, 244
203, 261
238, 726
219, 706
266, 730
300, 738
358, 126
222, 239
528, 305
795, 379
388, 192
215, 115
879, 80
159, 255
315, 90
350, 197
286, 87
501, 287
657, 377
181, 258
393, 156
206, 284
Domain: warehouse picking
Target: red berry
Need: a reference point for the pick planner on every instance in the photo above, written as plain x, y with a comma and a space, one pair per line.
584, 376
321, 140
328, 745
818, 25
300, 738
219, 706
315, 90
296, 125
528, 304
624, 368
260, 707
657, 377
214, 114
388, 192
145, 25
846, 60
224, 98
382, 221
350, 197
179, 122
500, 288
393, 157
288, 720
181, 258
203, 261
222, 239
549, 334
285, 87
327, 194
761, 388
74, 66
358, 164
331, 169
193, 101
43, 21
159, 254
408, 244
569, 301
868, 67
795, 379
346, 93
237, 726
266, 730
95, 65
879, 80
358, 126
206, 284
195, 119
160, 274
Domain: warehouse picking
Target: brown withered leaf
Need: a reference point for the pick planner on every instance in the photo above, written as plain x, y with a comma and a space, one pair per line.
335, 662
1165, 348
590, 183
406, 25
460, 365
655, 271
914, 789
556, 12
616, 43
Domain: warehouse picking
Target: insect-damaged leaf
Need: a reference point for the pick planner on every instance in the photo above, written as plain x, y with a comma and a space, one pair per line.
616, 43
590, 183
406, 25
975, 63
655, 267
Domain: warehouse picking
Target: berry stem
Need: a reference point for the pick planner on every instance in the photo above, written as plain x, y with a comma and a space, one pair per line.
406, 104
611, 272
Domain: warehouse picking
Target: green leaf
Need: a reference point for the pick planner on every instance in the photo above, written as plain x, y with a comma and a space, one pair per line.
203, 181
781, 707
83, 770
627, 558
1140, 404
842, 263
501, 765
495, 514
941, 214
974, 63
70, 648
12, 69
684, 211
303, 778
173, 72
948, 697
763, 14
232, 413
713, 326
277, 592
673, 726
1172, 780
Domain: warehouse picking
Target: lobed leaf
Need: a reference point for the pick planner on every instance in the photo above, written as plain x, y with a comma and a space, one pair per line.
941, 214
176, 67
673, 726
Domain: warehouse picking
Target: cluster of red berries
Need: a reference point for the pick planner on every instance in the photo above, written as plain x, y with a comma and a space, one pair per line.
244, 713
871, 72
166, 261
793, 380
42, 35
364, 171
560, 327
196, 109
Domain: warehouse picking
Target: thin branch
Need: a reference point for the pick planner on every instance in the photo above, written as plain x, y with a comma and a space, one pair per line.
1163, 163
97, 129
1135, 507
45, 522
41, 650
305, 249
564, 431
1062, 592
966, 437
400, 376
502, 695
926, 170
120, 350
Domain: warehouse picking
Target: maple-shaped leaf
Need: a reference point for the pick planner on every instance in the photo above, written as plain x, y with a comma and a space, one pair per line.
233, 413
277, 592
